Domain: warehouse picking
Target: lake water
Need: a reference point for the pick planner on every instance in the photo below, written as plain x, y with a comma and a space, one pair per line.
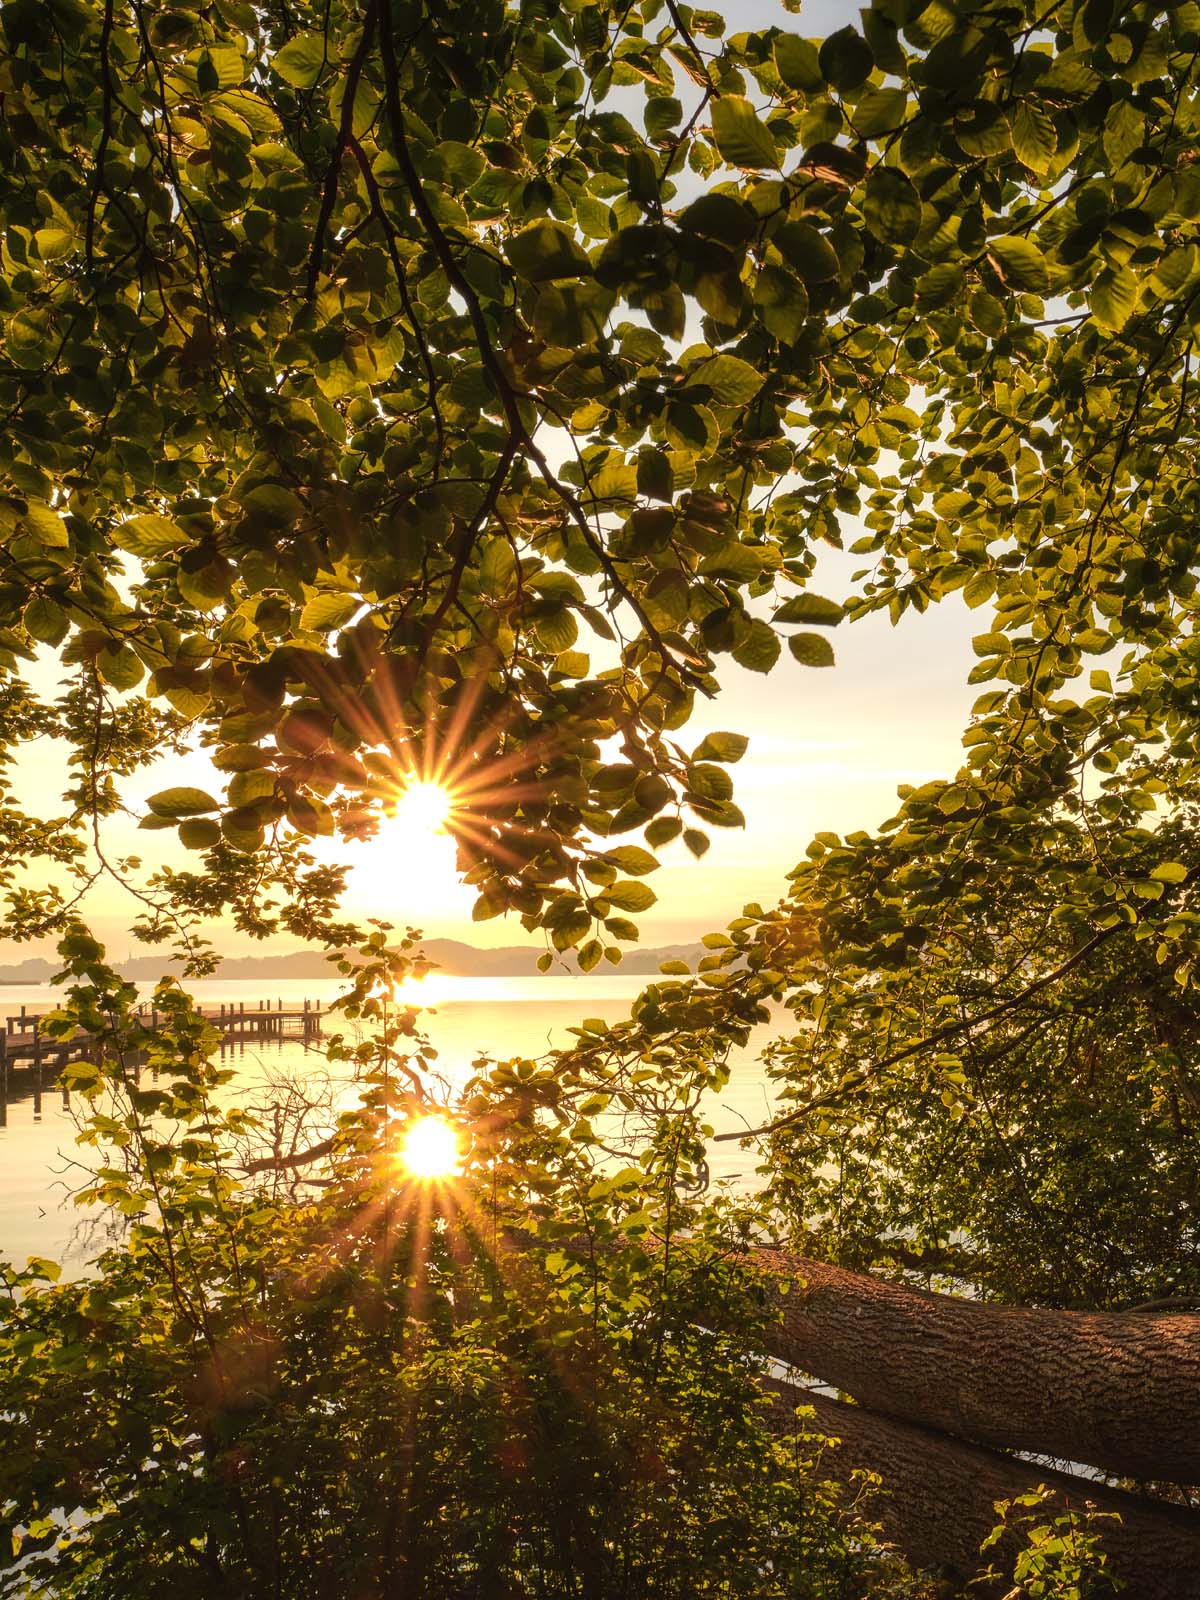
500, 1016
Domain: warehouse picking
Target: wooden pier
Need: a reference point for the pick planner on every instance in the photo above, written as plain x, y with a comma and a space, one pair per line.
28, 1056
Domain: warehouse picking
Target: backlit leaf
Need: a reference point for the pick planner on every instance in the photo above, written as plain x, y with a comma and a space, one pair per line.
149, 536
546, 250
181, 802
811, 649
742, 137
301, 60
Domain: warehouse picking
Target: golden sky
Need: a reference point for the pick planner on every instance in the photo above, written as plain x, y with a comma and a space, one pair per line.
827, 750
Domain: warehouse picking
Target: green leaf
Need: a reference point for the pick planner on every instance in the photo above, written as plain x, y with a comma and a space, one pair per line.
240, 757
1095, 641
662, 114
709, 782
1034, 137
991, 644
881, 111
667, 310
1169, 872
45, 620
1175, 271
781, 301
813, 608
55, 240
721, 747
722, 217
629, 896
797, 63
1020, 262
758, 648
568, 932
46, 525
719, 813
556, 631
199, 833
691, 428
940, 285
327, 611
301, 60
662, 830
308, 814
733, 382
655, 478
570, 314
616, 481
1113, 298
978, 589
547, 250
983, 131
274, 504
808, 251
811, 649
497, 568
632, 859
463, 163
742, 138
181, 802
892, 207
1124, 132
253, 783
242, 831
206, 587
120, 667
988, 313
846, 59
149, 536
40, 1267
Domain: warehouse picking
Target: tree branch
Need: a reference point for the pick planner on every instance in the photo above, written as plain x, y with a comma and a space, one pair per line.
494, 367
938, 1036
344, 137
938, 1496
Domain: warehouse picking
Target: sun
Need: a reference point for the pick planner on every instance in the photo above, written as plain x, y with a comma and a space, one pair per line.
430, 1149
408, 871
422, 808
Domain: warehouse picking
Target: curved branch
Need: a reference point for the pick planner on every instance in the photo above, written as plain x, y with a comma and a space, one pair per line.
302, 1158
344, 137
1116, 1391
938, 1497
949, 1031
519, 432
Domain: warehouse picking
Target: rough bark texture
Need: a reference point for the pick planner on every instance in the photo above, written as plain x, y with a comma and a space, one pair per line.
937, 1500
1119, 1391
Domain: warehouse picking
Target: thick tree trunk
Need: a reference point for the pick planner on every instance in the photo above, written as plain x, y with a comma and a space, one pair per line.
937, 1501
1117, 1391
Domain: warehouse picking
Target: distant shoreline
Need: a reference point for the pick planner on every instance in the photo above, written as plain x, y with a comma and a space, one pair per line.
452, 958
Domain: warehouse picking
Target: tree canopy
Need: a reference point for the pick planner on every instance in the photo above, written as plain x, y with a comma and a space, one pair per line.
393, 388
385, 385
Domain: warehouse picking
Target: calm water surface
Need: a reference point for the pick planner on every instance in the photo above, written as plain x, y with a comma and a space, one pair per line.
39, 1161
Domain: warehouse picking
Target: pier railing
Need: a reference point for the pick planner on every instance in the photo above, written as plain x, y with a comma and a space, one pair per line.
31, 1060
22, 1043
